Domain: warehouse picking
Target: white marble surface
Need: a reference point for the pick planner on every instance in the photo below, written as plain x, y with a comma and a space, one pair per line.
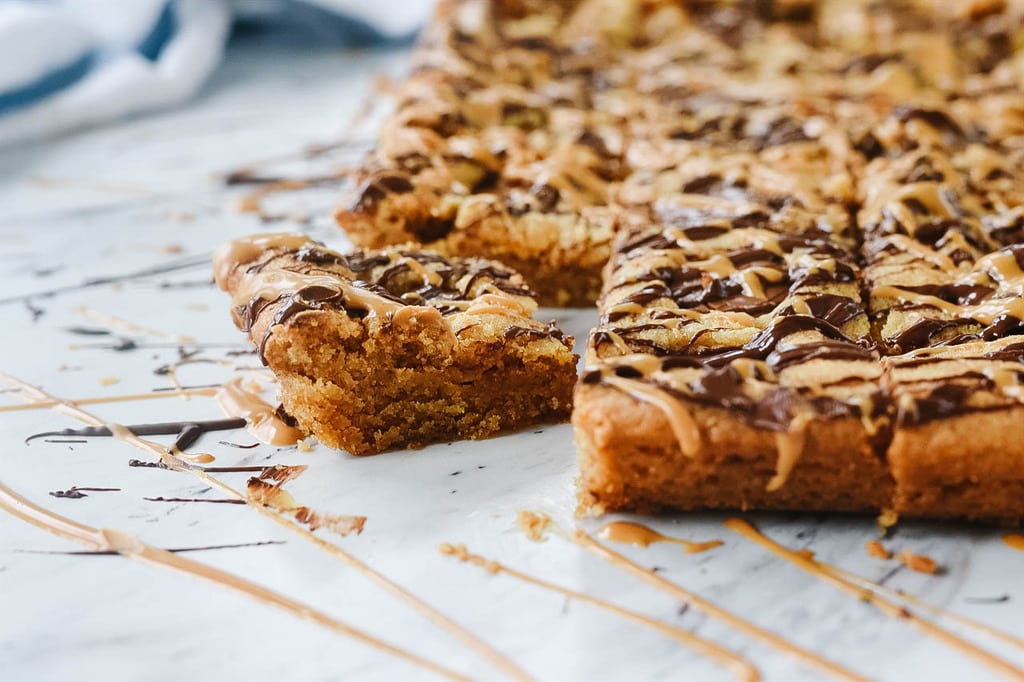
104, 203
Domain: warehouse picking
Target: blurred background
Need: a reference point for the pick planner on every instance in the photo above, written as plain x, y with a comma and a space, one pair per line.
74, 64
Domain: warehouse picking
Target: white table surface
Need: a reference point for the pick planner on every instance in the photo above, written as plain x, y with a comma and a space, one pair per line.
105, 202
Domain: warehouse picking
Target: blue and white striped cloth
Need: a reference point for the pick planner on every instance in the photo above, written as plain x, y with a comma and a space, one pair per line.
71, 64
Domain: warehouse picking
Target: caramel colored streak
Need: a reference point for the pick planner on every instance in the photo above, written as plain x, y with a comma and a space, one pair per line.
132, 397
171, 370
931, 608
118, 323
130, 547
261, 418
252, 201
1014, 541
742, 668
870, 596
718, 613
533, 524
683, 426
790, 447
639, 535
456, 631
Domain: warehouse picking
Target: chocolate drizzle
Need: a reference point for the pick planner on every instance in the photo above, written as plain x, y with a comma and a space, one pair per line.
187, 432
767, 340
172, 550
183, 264
78, 492
377, 186
823, 350
289, 276
549, 332
941, 401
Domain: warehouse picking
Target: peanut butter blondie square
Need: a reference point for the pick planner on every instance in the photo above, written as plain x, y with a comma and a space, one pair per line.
398, 347
954, 450
733, 367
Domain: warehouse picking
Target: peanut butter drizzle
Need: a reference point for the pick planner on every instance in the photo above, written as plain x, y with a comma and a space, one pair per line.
442, 621
1004, 379
252, 201
426, 274
276, 283
570, 176
871, 596
416, 316
265, 490
1003, 267
639, 535
132, 397
500, 304
242, 251
618, 342
709, 203
130, 547
261, 418
985, 313
126, 325
171, 371
750, 278
1014, 541
713, 611
789, 447
683, 426
741, 667
920, 251
911, 599
194, 458
533, 524
627, 308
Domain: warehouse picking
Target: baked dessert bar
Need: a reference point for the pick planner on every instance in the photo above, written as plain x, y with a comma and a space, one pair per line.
489, 155
733, 367
957, 413
398, 347
825, 302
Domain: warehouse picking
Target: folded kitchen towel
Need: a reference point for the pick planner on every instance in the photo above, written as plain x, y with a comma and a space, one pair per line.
76, 63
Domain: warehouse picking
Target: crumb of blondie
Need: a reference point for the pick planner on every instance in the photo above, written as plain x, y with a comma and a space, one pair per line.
886, 521
533, 524
918, 562
448, 549
877, 550
805, 553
